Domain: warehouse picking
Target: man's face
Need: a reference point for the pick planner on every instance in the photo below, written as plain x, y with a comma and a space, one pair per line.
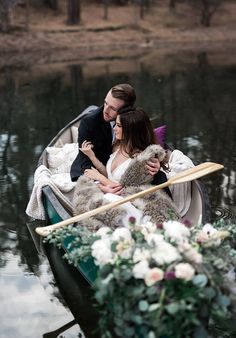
111, 107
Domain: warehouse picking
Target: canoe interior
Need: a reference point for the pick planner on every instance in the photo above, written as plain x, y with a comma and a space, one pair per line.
199, 210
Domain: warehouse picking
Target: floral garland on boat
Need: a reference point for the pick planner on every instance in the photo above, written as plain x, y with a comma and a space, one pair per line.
166, 280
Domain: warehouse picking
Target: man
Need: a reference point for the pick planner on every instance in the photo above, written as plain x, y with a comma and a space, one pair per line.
97, 128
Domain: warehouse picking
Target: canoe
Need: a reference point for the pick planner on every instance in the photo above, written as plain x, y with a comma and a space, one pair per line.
73, 282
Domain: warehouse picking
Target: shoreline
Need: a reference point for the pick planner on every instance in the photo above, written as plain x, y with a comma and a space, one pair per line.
39, 48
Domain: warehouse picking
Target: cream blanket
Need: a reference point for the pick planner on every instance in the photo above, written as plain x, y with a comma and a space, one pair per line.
181, 193
60, 183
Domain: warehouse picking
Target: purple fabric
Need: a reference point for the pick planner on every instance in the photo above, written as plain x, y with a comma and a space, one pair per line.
160, 133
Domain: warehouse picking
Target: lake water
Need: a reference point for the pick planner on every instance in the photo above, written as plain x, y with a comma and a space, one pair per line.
192, 92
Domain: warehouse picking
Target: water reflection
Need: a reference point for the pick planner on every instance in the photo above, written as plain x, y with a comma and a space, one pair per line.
27, 301
193, 93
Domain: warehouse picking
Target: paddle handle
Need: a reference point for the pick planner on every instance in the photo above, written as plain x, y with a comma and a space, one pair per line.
184, 176
44, 231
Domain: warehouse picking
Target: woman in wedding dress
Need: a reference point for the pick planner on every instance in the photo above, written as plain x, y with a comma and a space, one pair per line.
135, 144
133, 134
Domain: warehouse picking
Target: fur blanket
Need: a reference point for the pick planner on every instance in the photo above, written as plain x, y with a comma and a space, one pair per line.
158, 206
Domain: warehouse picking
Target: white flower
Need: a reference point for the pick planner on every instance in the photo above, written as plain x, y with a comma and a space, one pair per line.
209, 236
230, 275
121, 234
103, 232
154, 239
190, 252
165, 253
209, 229
178, 232
229, 279
184, 271
124, 249
148, 227
101, 251
141, 254
140, 269
153, 275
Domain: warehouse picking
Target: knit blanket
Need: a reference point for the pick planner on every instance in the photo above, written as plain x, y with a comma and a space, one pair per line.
181, 193
60, 184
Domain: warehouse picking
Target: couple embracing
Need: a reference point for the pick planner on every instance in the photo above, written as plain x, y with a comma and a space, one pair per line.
119, 155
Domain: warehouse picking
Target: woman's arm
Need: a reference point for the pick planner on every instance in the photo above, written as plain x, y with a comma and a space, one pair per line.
97, 176
86, 148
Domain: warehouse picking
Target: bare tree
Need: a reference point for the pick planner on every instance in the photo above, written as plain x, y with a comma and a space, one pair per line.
53, 4
6, 7
73, 7
172, 5
105, 4
207, 9
143, 6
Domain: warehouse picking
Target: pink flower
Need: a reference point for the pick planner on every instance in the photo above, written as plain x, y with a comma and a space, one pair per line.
153, 275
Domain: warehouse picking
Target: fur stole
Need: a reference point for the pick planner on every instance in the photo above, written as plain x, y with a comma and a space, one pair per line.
158, 206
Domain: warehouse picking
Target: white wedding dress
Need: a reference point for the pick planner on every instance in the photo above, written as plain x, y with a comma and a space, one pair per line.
115, 175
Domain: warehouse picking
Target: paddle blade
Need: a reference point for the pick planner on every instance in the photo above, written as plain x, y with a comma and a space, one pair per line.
196, 172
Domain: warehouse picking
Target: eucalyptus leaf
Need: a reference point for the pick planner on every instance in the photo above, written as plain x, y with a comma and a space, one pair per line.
223, 300
151, 334
209, 292
200, 280
154, 307
172, 308
200, 332
136, 319
143, 305
129, 332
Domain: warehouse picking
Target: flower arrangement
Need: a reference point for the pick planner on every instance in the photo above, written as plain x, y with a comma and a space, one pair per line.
165, 280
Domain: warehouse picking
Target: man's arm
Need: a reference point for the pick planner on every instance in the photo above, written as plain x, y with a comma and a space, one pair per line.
82, 161
160, 178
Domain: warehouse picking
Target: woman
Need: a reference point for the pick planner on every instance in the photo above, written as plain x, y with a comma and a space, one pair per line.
135, 144
133, 133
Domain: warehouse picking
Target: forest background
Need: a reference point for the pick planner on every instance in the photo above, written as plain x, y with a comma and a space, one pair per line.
70, 29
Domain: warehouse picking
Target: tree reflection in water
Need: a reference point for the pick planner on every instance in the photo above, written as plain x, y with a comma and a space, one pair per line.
193, 93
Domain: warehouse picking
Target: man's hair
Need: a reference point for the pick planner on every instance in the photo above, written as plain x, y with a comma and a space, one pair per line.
124, 92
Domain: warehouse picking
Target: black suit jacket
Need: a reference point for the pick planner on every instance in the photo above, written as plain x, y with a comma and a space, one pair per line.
93, 128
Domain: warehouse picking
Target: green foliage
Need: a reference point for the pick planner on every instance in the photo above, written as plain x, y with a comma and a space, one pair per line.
159, 282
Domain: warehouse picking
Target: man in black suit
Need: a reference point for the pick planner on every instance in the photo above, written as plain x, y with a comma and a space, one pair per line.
97, 126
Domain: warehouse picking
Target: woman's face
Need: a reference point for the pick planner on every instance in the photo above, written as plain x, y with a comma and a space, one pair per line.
118, 129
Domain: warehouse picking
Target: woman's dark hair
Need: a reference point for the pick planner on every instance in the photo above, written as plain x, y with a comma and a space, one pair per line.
124, 92
137, 131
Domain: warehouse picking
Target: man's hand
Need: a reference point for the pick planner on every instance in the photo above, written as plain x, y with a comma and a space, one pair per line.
114, 188
153, 166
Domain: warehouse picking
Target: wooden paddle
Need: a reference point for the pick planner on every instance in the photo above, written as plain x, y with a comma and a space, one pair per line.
184, 176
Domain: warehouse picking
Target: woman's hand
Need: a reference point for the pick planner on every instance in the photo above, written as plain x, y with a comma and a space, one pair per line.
115, 188
86, 148
93, 173
153, 166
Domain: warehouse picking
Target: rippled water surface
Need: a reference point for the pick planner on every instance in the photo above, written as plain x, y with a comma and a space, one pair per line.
192, 92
